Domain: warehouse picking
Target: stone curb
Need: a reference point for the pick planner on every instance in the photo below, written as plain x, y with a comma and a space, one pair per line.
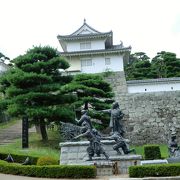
148, 178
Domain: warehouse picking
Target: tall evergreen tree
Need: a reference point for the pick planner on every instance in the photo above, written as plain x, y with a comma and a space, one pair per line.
91, 91
139, 66
33, 88
165, 64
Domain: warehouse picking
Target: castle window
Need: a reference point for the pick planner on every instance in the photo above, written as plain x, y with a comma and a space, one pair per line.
85, 45
145, 89
107, 61
172, 88
86, 62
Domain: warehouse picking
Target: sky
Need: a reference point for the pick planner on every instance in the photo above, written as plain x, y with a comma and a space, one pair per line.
148, 26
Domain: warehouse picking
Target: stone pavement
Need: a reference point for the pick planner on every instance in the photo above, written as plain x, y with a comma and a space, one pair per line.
122, 177
13, 177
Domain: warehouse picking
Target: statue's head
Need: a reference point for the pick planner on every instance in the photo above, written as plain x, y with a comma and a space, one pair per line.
115, 105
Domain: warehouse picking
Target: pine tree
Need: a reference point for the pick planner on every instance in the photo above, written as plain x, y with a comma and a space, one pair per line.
165, 65
93, 94
139, 67
33, 88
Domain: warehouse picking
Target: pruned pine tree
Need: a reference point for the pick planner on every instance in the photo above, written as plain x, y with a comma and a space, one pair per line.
165, 65
33, 88
93, 94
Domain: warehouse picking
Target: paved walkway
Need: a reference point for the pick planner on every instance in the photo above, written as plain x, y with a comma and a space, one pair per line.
13, 177
10, 134
123, 177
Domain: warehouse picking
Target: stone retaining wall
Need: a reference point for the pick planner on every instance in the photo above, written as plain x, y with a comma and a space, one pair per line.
149, 117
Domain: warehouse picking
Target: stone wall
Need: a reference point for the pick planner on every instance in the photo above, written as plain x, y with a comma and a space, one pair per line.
118, 82
149, 117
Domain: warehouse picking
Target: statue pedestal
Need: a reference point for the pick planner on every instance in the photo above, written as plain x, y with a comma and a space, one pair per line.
75, 153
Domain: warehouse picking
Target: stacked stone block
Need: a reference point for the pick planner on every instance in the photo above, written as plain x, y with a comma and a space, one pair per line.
150, 117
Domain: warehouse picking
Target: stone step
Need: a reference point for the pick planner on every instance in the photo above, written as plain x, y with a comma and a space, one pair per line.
8, 135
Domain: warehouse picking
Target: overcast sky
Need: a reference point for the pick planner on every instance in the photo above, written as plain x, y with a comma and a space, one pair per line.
149, 26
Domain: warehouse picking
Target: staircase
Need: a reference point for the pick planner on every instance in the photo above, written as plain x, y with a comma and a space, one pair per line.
10, 134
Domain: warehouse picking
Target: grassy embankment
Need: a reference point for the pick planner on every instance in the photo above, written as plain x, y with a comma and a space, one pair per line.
36, 146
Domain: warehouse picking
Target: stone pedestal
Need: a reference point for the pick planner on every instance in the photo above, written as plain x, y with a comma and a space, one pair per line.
75, 153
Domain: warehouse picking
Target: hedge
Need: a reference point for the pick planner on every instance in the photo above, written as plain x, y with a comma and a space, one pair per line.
152, 152
45, 160
51, 171
19, 158
154, 170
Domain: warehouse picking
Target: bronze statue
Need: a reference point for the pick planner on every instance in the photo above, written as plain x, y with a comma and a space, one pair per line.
120, 143
116, 118
84, 118
174, 150
94, 138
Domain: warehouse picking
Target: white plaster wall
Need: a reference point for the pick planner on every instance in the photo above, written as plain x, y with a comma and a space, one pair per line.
95, 45
3, 68
154, 87
98, 64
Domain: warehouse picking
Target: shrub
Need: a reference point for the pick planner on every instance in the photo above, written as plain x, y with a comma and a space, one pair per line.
46, 161
19, 158
53, 171
152, 152
154, 170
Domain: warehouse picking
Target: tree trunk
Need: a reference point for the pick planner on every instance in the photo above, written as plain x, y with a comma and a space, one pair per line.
43, 130
86, 106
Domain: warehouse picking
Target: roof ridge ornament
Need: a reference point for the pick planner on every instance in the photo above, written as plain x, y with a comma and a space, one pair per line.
84, 20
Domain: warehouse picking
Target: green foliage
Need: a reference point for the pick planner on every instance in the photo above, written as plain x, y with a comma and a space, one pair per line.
152, 152
163, 65
52, 171
91, 90
37, 147
34, 88
107, 73
139, 66
46, 161
154, 170
19, 158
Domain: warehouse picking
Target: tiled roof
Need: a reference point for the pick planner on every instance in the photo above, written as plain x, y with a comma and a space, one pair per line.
152, 81
100, 51
85, 24
94, 34
84, 36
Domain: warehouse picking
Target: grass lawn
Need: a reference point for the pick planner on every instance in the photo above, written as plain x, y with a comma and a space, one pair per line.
163, 149
7, 124
36, 146
51, 148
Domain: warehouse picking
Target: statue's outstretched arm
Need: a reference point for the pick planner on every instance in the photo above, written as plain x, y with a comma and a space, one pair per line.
81, 135
105, 111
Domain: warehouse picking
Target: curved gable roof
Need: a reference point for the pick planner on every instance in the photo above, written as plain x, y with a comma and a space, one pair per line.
85, 29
